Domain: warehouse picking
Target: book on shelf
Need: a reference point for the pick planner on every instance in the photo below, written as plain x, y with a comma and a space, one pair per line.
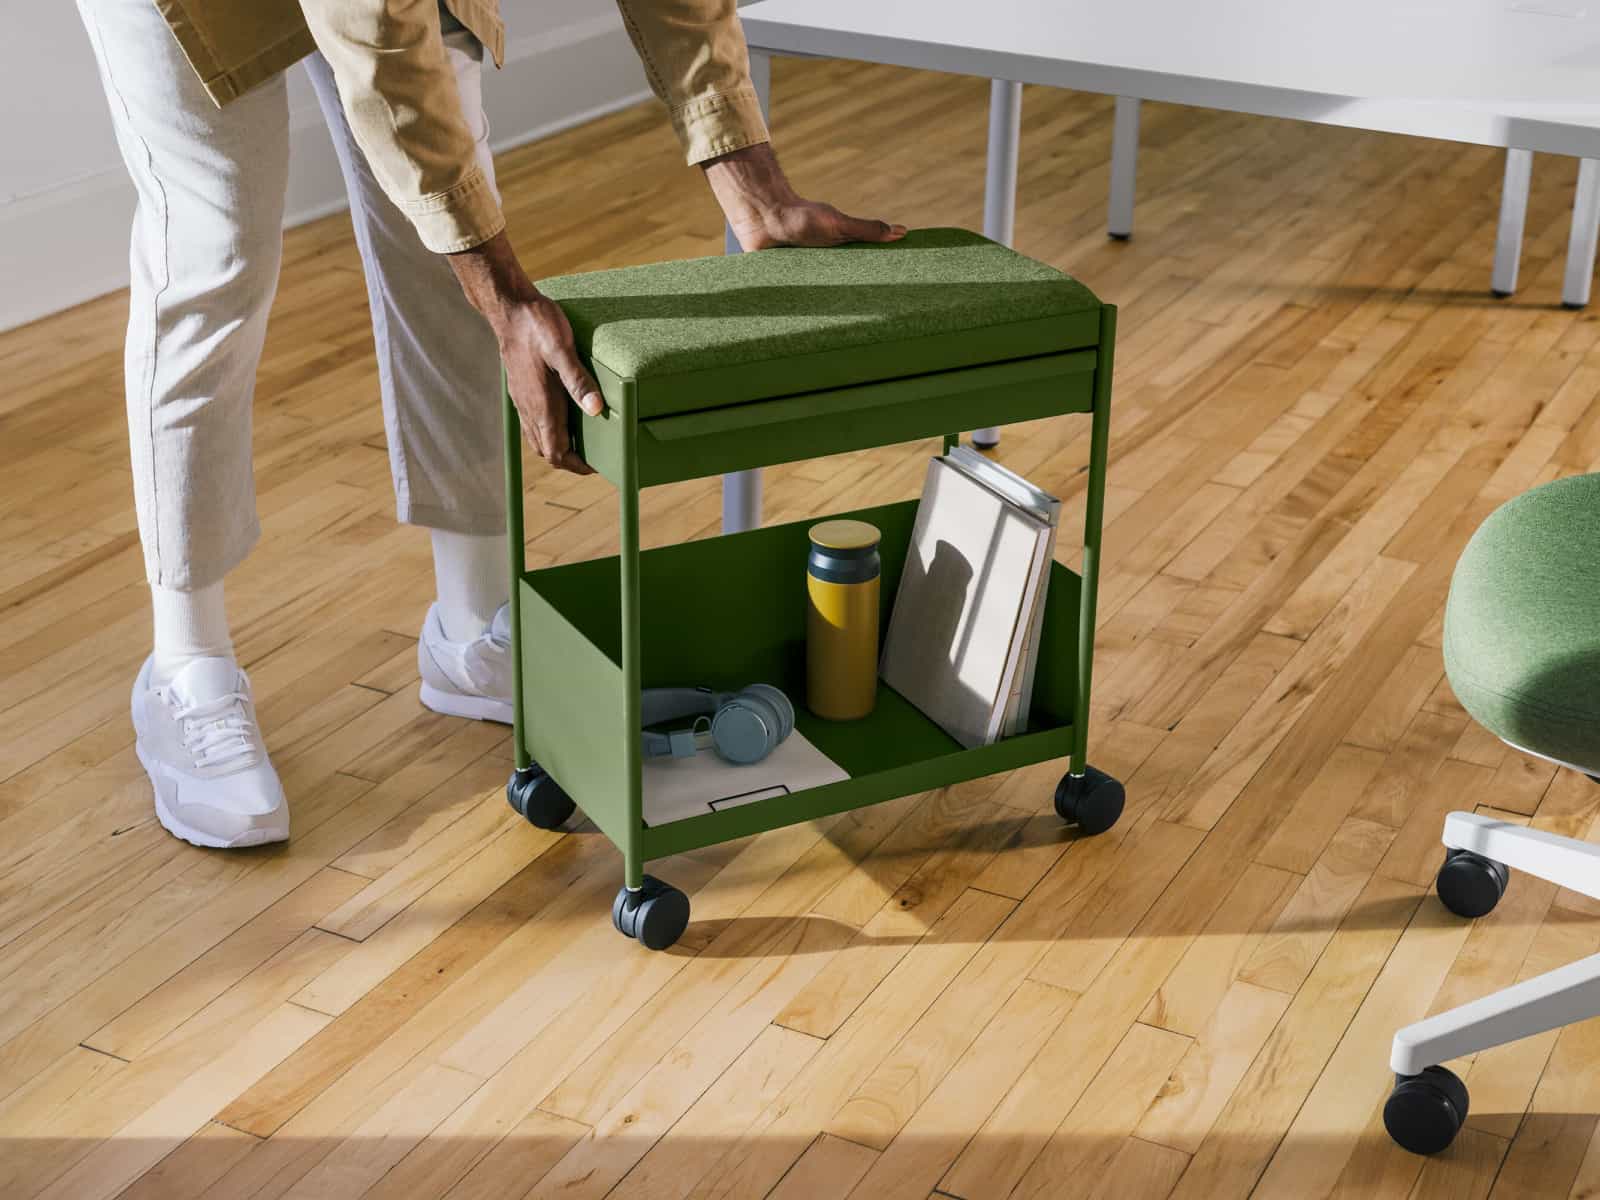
963, 637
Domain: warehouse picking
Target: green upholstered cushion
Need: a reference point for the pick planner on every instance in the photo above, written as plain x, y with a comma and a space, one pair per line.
707, 332
1522, 625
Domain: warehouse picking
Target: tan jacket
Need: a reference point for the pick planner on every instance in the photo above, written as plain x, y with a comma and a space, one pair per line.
398, 90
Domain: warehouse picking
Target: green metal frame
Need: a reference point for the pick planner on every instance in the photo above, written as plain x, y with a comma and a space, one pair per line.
724, 612
1094, 505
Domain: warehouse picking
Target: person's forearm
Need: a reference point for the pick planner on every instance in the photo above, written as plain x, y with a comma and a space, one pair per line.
748, 183
493, 280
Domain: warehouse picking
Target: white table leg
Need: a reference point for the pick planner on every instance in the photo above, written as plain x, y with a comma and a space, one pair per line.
1124, 167
1000, 186
1585, 230
1513, 214
741, 490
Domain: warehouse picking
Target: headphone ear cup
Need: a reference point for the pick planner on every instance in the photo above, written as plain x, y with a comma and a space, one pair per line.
751, 725
781, 707
744, 730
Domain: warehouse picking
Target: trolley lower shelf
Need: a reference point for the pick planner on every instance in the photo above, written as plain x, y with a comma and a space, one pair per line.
726, 612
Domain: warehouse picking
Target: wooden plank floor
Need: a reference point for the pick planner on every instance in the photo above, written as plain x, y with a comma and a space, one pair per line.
947, 995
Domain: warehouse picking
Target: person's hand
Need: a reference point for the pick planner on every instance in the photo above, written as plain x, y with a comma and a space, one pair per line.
542, 365
764, 210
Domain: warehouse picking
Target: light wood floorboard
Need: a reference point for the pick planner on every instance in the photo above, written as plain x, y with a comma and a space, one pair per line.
945, 996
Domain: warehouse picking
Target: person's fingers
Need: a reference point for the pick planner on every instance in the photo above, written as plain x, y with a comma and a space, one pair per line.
824, 225
553, 432
858, 229
536, 419
524, 377
561, 356
530, 431
579, 383
568, 460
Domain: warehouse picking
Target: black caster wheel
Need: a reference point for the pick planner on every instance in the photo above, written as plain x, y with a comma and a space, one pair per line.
1470, 884
538, 798
977, 445
1425, 1112
1091, 801
656, 915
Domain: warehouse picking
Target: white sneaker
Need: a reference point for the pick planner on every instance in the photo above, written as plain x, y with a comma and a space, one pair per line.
467, 679
199, 743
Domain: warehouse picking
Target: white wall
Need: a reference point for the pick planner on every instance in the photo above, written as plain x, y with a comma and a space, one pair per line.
65, 202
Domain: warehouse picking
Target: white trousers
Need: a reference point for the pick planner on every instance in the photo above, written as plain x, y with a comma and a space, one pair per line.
207, 241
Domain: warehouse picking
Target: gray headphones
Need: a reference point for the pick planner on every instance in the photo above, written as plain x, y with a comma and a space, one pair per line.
743, 727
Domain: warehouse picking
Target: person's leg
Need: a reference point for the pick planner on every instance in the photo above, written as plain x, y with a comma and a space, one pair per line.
469, 575
188, 625
439, 373
206, 247
205, 253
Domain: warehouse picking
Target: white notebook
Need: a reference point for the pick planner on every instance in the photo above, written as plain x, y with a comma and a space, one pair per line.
963, 601
1047, 508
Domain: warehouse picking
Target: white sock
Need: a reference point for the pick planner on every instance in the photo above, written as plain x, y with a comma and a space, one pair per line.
188, 625
471, 575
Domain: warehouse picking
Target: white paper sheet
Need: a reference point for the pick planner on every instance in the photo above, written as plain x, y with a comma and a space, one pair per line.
675, 788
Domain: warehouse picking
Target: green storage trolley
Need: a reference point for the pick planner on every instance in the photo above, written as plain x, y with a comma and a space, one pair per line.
742, 361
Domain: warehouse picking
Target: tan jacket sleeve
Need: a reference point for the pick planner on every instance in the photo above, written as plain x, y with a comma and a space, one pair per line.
695, 56
399, 94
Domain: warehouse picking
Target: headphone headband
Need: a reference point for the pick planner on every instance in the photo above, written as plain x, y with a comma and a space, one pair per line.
674, 703
743, 726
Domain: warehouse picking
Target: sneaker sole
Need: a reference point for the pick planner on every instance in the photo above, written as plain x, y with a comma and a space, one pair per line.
206, 841
475, 708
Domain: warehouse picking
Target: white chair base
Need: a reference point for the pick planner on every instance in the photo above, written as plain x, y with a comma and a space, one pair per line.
1559, 997
1549, 1001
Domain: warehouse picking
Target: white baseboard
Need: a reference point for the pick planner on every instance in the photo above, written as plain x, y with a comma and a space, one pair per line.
69, 244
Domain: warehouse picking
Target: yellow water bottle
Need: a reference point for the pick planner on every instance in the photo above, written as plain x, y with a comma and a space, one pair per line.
842, 620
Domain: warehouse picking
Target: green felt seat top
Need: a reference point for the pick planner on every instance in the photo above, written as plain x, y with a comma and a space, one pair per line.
1522, 625
707, 332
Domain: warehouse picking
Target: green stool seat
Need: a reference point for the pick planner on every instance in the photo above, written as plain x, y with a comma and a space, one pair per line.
1522, 625
709, 332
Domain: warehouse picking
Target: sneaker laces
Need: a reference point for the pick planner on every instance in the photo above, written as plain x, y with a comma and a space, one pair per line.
219, 733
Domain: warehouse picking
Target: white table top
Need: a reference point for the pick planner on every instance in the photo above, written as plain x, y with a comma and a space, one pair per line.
1522, 73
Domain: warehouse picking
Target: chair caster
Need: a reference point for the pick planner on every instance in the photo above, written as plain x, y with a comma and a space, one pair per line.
656, 915
977, 445
1469, 884
1425, 1112
1091, 801
538, 798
